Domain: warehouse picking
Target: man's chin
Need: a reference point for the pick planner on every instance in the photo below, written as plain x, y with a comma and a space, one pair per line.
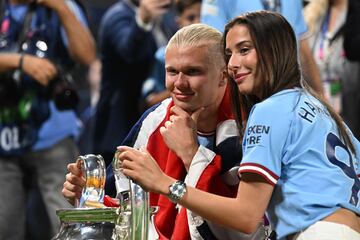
189, 110
184, 106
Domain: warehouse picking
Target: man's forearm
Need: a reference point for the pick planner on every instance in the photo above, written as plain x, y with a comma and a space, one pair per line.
9, 61
81, 44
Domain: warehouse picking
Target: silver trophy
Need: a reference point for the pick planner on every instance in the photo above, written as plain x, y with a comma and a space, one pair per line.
90, 219
94, 172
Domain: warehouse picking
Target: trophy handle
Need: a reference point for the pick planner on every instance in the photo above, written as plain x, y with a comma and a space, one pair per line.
140, 212
94, 171
132, 199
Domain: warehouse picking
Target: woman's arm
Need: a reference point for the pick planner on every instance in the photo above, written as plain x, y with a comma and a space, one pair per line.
242, 213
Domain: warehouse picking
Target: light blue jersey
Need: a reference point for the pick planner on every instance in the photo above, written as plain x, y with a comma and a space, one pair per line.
217, 13
58, 126
294, 144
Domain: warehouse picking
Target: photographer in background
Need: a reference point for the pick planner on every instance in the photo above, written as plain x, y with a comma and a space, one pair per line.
38, 39
352, 31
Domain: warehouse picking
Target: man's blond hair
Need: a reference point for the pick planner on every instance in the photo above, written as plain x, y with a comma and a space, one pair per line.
199, 35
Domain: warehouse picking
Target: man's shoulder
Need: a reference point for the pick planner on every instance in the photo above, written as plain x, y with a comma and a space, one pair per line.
149, 123
153, 116
119, 9
115, 13
159, 109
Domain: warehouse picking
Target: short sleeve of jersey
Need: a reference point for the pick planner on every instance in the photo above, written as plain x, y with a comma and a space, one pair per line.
264, 140
217, 13
292, 11
214, 13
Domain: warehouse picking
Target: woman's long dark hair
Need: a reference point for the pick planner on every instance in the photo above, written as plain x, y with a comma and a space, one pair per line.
276, 46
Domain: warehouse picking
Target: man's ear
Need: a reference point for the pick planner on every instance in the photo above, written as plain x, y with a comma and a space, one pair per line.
224, 78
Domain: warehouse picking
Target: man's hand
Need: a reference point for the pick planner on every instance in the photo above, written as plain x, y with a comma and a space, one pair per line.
180, 134
40, 69
74, 184
56, 5
149, 10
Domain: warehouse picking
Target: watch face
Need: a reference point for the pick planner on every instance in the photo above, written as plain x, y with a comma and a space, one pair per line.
177, 190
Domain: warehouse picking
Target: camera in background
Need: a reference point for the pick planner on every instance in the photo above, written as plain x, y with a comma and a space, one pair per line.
62, 91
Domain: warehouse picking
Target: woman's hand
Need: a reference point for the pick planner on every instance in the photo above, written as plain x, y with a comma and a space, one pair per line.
142, 168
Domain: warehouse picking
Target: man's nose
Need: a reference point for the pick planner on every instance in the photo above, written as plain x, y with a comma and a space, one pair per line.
181, 80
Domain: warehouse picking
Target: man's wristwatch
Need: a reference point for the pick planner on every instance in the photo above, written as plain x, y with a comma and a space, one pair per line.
176, 191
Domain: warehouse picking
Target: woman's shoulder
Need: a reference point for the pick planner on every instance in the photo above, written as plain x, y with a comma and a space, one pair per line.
281, 102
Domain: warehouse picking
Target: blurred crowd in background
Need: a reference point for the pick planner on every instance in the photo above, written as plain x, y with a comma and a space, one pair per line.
126, 75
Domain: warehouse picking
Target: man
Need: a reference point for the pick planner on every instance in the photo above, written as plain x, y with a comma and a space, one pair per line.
36, 37
217, 13
351, 98
130, 32
352, 32
200, 109
153, 89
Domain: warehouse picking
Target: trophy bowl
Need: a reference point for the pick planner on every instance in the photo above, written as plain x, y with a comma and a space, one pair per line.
129, 221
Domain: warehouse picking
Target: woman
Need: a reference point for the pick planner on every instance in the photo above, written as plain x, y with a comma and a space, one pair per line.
299, 159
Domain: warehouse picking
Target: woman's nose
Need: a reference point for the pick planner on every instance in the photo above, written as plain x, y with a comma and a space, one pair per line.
233, 63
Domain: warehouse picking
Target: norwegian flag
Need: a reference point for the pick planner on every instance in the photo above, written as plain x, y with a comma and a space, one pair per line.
213, 172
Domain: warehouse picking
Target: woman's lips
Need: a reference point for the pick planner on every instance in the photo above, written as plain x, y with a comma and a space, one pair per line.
240, 77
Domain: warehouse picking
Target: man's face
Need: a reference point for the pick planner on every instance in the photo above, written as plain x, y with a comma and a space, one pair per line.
192, 80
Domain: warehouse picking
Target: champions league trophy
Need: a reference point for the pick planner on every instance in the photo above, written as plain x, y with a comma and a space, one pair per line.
90, 219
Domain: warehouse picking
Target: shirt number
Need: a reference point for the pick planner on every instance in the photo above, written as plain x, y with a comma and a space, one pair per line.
332, 141
9, 138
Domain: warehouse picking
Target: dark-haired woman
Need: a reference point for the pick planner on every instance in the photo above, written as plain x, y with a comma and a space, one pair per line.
300, 161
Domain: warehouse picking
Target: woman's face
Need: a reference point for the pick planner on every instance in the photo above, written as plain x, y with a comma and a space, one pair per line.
243, 59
